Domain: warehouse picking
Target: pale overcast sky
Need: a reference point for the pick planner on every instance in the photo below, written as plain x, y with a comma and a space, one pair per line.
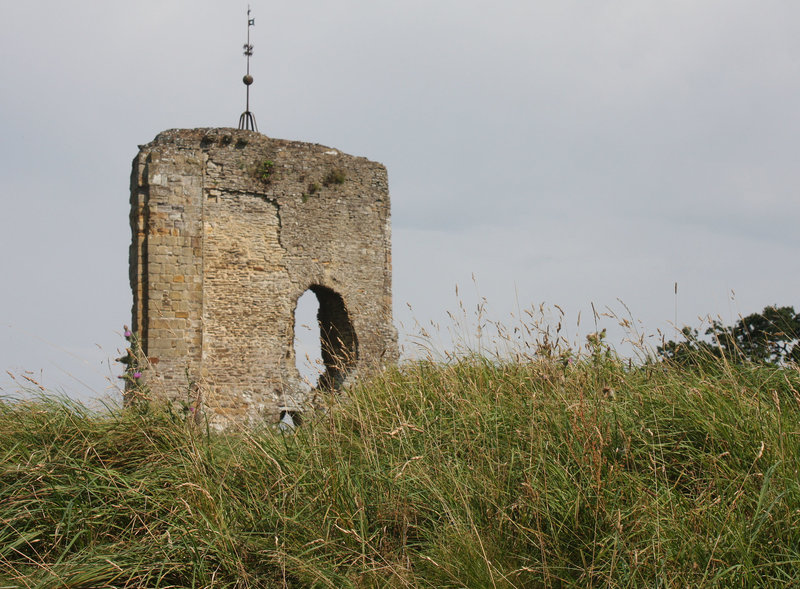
562, 152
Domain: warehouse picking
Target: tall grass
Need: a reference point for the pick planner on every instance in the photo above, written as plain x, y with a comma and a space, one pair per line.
552, 469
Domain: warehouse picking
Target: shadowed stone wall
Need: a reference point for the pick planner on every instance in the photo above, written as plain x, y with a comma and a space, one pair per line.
230, 228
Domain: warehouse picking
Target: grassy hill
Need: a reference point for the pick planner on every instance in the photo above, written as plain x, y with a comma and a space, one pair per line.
546, 471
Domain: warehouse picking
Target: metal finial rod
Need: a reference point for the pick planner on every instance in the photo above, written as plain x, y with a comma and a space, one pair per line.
247, 120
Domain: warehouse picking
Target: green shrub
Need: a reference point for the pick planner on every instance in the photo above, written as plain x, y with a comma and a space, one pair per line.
335, 176
265, 170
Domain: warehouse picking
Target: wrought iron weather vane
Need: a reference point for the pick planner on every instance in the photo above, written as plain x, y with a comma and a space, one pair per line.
247, 120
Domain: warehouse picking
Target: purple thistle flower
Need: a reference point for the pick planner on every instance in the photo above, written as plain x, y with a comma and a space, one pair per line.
128, 334
137, 374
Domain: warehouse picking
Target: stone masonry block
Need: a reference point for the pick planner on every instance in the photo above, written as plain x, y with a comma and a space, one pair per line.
229, 229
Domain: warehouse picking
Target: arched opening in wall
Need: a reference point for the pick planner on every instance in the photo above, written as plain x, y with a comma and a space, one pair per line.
325, 361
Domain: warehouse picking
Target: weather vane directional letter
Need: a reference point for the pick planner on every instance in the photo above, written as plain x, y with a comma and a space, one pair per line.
247, 120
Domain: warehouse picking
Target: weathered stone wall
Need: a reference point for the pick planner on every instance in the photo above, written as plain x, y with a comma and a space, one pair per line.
230, 228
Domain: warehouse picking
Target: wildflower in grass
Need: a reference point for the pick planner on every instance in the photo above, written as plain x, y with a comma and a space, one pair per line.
127, 333
137, 374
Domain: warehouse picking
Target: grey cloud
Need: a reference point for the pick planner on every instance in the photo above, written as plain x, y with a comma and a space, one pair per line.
562, 151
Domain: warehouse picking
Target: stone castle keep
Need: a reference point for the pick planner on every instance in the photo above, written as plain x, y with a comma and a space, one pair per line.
230, 228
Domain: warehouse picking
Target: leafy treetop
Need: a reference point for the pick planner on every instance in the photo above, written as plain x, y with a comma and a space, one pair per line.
769, 337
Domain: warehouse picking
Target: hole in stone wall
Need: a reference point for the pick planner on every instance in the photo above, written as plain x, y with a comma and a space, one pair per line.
290, 420
324, 362
307, 345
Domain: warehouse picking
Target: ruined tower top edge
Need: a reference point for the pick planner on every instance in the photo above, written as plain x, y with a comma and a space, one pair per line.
209, 136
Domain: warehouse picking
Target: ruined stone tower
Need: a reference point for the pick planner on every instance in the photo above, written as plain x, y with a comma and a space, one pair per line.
230, 228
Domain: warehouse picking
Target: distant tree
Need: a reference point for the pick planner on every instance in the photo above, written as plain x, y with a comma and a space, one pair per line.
769, 337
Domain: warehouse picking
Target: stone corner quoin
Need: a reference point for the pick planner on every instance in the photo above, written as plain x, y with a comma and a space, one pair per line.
230, 228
